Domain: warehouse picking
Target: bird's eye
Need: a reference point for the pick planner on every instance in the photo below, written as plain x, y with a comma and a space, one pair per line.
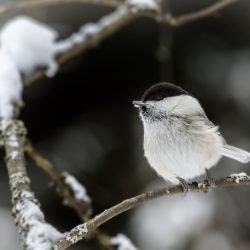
158, 98
144, 109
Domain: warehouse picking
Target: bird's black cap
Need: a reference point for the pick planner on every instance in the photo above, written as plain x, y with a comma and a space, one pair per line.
162, 90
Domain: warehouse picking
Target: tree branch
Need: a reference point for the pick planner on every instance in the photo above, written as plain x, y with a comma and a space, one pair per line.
33, 229
168, 18
30, 220
29, 4
106, 26
85, 230
194, 16
82, 208
129, 13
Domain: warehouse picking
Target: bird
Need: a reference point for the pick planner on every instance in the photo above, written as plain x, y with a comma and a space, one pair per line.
180, 142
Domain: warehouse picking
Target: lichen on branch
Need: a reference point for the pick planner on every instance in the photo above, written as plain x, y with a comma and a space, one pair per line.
34, 232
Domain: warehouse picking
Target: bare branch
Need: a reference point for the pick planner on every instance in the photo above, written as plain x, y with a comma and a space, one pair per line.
29, 218
194, 16
85, 230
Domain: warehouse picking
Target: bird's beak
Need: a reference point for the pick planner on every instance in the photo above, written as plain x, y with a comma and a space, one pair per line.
138, 104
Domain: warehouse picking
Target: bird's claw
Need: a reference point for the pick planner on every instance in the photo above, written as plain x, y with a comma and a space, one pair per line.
184, 185
210, 180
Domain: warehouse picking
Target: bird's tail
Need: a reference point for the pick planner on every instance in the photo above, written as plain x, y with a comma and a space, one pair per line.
236, 154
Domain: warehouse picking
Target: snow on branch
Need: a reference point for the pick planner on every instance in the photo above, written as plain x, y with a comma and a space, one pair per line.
24, 52
122, 242
73, 193
22, 5
143, 5
10, 87
35, 233
83, 208
77, 233
88, 36
29, 44
240, 177
25, 45
140, 7
37, 49
28, 4
79, 191
41, 49
91, 34
91, 31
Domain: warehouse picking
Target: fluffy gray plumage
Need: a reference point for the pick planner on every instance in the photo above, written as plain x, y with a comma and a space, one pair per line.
179, 140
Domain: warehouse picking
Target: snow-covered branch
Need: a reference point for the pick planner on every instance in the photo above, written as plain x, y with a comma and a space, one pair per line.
35, 233
22, 5
24, 53
29, 50
85, 230
122, 242
37, 52
72, 192
10, 87
143, 5
78, 190
137, 7
88, 36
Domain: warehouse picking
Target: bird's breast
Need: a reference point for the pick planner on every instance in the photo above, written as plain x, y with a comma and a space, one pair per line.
176, 147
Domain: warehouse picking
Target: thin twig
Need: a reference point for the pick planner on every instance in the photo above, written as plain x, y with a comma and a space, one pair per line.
63, 189
84, 230
197, 15
30, 4
82, 208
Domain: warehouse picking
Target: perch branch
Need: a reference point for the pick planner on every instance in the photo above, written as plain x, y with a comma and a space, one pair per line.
26, 209
197, 15
85, 230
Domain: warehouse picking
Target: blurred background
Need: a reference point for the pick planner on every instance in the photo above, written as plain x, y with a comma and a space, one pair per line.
84, 122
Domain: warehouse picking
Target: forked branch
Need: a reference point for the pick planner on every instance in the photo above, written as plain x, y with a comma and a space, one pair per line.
197, 15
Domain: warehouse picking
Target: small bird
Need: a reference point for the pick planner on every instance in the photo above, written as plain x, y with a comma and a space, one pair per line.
180, 142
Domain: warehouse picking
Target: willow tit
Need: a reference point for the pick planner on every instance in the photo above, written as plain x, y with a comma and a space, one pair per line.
180, 142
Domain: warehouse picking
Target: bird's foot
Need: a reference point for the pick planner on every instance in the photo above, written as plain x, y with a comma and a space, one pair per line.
210, 180
184, 185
